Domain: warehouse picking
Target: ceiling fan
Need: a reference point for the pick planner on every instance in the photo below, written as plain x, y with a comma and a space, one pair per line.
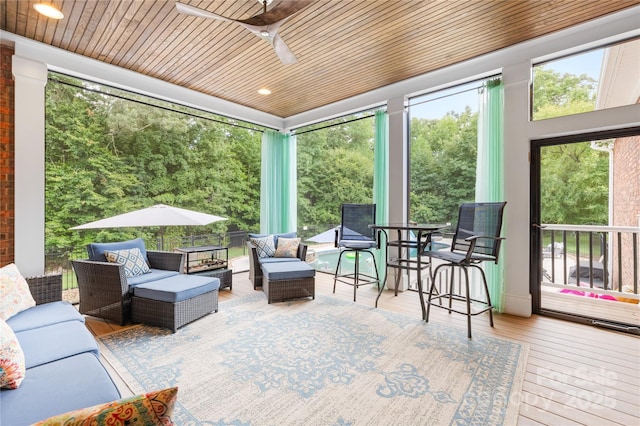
265, 25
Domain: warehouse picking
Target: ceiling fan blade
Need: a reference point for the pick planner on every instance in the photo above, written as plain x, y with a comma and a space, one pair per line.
279, 12
201, 13
282, 50
270, 34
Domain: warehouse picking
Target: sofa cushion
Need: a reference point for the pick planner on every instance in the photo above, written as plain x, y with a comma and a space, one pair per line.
176, 289
96, 250
278, 260
47, 390
287, 247
56, 341
148, 409
287, 270
15, 295
265, 246
43, 315
153, 275
275, 236
12, 365
134, 262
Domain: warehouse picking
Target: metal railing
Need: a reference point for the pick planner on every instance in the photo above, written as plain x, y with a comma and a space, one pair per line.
598, 257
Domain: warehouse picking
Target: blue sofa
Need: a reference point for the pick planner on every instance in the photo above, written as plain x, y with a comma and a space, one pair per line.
63, 370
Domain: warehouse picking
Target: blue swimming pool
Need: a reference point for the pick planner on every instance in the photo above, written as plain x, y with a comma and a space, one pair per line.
327, 260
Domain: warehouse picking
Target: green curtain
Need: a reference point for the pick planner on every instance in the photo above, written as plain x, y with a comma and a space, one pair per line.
278, 183
490, 171
381, 178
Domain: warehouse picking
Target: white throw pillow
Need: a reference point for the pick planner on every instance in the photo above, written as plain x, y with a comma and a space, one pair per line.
12, 364
15, 295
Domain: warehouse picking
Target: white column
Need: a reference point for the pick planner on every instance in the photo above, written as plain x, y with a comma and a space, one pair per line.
30, 79
516, 247
398, 176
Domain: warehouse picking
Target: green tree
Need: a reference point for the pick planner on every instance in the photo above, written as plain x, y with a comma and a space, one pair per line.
335, 166
556, 94
443, 166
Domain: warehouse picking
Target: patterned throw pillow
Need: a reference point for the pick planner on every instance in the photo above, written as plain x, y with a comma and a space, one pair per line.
287, 247
15, 295
153, 408
265, 246
12, 367
132, 259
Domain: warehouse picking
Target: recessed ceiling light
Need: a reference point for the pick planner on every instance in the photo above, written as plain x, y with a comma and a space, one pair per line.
48, 11
264, 91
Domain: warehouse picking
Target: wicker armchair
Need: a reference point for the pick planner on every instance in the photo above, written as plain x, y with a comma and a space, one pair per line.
103, 287
255, 271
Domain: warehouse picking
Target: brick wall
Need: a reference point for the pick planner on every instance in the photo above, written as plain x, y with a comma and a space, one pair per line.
626, 210
7, 143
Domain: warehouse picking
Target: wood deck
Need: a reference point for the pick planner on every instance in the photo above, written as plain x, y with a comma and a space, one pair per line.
576, 374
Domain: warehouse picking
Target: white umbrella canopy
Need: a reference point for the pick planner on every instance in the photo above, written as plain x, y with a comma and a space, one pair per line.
158, 215
327, 236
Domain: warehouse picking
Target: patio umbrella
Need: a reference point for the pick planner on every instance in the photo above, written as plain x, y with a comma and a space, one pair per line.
159, 215
327, 236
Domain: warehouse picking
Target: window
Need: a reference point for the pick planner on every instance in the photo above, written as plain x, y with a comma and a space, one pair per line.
109, 151
593, 80
335, 166
443, 141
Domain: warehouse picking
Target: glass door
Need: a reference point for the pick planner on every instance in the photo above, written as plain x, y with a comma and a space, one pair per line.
586, 228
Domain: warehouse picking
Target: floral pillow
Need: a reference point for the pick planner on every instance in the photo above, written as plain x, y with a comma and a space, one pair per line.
265, 246
15, 295
12, 366
132, 259
153, 408
287, 247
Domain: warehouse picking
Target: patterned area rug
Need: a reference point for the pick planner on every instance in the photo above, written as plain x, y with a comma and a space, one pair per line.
322, 362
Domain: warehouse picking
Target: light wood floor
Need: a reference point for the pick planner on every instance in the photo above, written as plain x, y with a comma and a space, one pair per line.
576, 374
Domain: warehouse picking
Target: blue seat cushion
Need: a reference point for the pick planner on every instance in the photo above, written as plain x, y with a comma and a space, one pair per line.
357, 244
275, 271
153, 275
264, 260
177, 288
46, 390
43, 315
56, 341
96, 250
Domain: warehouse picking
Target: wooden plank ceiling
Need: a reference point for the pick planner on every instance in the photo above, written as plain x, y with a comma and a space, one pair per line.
344, 47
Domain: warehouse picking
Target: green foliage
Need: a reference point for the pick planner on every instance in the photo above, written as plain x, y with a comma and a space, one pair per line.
443, 166
574, 184
106, 155
574, 177
556, 95
335, 166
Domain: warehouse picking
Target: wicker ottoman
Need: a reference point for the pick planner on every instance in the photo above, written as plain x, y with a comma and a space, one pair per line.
174, 301
288, 280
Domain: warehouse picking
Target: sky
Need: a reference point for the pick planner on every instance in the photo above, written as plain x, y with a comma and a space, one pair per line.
586, 63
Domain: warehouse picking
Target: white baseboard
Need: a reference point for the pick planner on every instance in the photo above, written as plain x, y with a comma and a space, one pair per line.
518, 305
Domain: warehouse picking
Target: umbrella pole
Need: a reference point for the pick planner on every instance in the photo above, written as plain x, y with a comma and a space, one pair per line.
160, 242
